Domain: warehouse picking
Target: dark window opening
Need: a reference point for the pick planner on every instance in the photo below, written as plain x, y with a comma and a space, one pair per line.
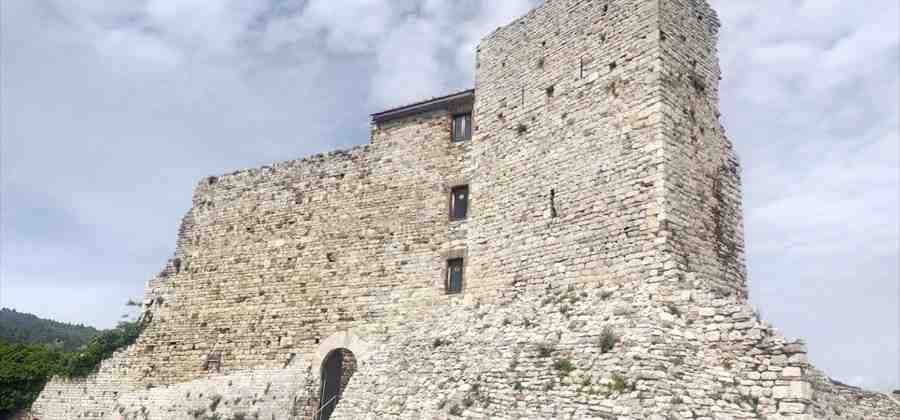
213, 362
462, 127
459, 202
553, 203
454, 276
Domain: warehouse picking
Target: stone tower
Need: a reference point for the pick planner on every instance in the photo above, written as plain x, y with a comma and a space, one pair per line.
597, 272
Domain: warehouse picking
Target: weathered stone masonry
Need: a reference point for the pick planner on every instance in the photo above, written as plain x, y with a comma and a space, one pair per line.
605, 209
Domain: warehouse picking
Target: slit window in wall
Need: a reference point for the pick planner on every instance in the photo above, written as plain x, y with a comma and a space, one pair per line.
462, 127
459, 202
454, 280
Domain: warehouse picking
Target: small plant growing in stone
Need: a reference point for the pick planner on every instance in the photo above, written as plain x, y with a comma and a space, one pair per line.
214, 404
721, 292
608, 340
753, 402
521, 128
545, 350
618, 384
518, 386
594, 391
612, 87
697, 82
759, 313
673, 309
563, 366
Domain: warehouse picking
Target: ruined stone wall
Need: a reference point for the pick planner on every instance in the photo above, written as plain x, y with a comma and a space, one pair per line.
604, 268
270, 261
273, 260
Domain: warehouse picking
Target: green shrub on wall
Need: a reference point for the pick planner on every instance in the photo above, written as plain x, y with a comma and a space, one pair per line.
87, 360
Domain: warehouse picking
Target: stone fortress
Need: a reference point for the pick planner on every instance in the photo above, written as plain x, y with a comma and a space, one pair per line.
562, 242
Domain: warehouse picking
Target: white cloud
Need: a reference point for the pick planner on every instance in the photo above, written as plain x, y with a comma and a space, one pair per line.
810, 100
138, 49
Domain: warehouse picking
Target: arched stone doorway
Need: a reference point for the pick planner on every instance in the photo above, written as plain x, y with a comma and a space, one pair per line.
337, 369
339, 356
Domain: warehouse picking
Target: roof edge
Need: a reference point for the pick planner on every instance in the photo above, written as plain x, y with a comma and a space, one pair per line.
423, 106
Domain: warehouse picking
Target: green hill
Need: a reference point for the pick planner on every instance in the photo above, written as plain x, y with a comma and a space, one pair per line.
18, 327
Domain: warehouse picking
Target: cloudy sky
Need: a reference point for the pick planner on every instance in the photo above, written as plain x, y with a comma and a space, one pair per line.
112, 111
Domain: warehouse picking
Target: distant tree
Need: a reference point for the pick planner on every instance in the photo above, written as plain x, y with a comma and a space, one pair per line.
17, 327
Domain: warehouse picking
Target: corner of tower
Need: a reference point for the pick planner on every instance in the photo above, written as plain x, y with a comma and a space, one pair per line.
701, 192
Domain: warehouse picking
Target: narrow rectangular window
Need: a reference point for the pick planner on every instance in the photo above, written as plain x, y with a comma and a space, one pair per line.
213, 362
454, 276
459, 202
462, 127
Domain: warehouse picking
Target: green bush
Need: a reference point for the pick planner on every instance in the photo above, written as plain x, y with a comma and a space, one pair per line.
26, 368
545, 349
608, 340
87, 360
563, 366
618, 384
